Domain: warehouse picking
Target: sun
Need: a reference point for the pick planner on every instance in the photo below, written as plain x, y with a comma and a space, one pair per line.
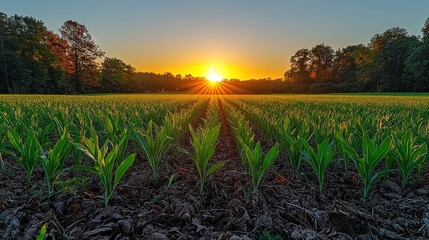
213, 76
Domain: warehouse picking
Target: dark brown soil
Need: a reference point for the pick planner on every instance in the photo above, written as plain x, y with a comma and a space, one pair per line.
288, 205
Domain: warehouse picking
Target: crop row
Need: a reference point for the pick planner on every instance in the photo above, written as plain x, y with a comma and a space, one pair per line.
378, 141
102, 135
106, 140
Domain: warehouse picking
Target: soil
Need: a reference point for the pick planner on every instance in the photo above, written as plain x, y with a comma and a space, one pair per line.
287, 205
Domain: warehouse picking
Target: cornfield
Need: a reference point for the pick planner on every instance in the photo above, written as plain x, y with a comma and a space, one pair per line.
170, 138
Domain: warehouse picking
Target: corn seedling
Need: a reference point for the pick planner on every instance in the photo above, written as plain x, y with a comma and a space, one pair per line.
52, 161
3, 147
155, 142
104, 163
204, 143
343, 154
259, 164
407, 154
28, 150
372, 154
320, 160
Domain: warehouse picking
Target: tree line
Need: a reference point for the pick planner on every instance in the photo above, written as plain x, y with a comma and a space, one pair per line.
393, 61
34, 59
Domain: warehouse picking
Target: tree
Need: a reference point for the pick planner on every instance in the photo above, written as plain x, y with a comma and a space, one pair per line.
381, 65
60, 47
116, 75
299, 66
391, 61
82, 54
322, 57
379, 41
417, 67
425, 30
345, 66
29, 64
5, 86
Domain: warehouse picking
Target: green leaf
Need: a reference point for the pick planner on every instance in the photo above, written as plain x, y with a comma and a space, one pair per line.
85, 168
123, 167
216, 167
42, 232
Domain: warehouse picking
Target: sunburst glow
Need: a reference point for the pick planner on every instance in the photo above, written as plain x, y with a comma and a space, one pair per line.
213, 76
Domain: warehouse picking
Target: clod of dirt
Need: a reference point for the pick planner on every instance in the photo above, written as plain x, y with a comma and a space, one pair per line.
59, 207
307, 234
264, 221
158, 236
184, 211
383, 233
103, 231
125, 226
200, 228
235, 237
422, 191
9, 225
395, 187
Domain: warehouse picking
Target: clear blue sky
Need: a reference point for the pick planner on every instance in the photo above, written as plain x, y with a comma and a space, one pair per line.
239, 38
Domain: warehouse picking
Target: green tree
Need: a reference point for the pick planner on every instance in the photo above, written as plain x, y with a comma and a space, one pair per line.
425, 30
345, 66
391, 60
417, 67
28, 63
299, 66
381, 65
116, 76
379, 41
322, 58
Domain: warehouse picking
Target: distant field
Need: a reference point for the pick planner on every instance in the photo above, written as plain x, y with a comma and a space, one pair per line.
253, 164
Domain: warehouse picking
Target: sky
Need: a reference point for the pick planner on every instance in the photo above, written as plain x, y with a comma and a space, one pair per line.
237, 38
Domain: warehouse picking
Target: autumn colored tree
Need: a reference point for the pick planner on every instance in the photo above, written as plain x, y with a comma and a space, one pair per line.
60, 47
81, 54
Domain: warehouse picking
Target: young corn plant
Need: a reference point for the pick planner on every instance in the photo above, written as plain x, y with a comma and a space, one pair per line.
350, 139
122, 143
293, 144
320, 160
28, 150
104, 163
212, 118
204, 143
155, 142
259, 164
407, 154
53, 160
245, 137
42, 134
372, 154
112, 127
3, 146
77, 136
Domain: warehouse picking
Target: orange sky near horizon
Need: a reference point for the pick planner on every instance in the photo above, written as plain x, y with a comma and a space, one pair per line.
197, 57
